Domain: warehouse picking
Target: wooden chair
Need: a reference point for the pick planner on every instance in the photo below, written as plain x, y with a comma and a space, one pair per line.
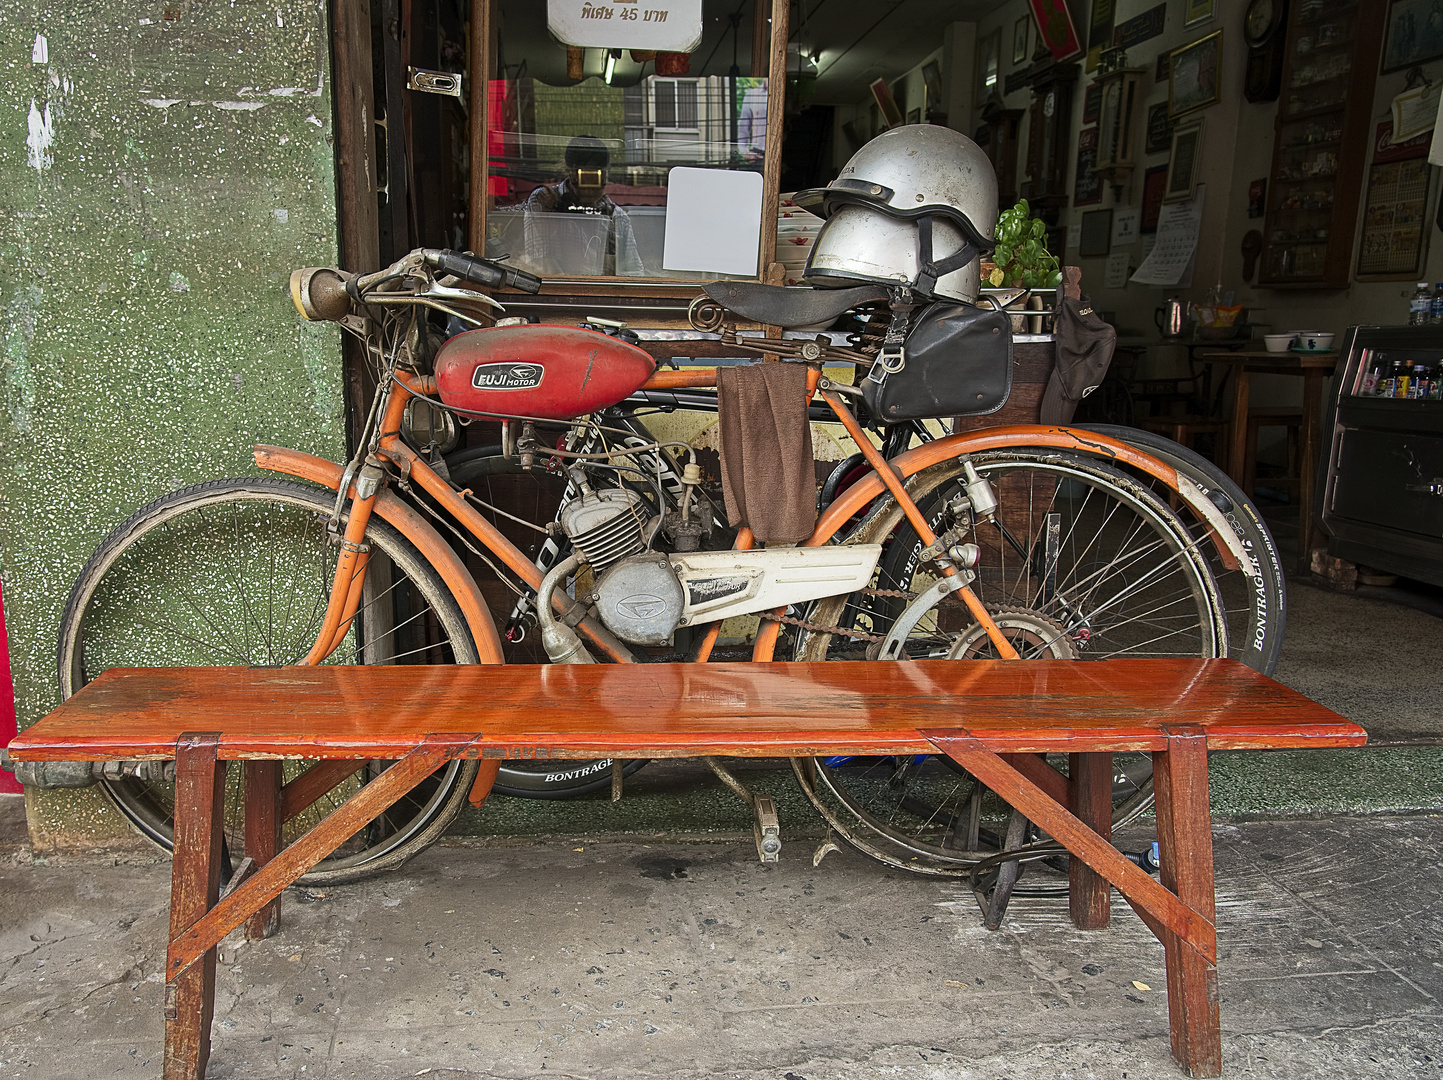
1286, 416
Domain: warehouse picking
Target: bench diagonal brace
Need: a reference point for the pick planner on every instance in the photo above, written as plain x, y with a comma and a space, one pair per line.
1140, 890
269, 881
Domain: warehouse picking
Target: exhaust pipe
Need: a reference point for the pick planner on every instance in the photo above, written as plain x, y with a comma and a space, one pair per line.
563, 644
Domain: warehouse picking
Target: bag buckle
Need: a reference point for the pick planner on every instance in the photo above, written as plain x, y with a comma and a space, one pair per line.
890, 360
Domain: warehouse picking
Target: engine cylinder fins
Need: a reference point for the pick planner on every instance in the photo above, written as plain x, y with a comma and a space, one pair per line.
606, 526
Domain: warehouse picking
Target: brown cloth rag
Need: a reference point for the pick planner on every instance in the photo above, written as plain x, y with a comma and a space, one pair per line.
766, 450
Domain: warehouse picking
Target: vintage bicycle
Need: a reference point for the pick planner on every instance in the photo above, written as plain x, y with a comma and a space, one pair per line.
1013, 541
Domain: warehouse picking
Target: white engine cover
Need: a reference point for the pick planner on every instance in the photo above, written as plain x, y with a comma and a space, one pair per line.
720, 584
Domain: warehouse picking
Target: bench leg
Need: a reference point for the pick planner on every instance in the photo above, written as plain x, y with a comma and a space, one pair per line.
1185, 848
263, 835
194, 889
1089, 895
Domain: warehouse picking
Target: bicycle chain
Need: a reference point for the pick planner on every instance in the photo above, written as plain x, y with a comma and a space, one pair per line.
822, 628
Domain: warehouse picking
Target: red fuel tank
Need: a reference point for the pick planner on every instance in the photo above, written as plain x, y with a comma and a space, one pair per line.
549, 372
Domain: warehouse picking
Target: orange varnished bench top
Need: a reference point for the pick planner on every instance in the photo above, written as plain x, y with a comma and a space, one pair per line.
677, 710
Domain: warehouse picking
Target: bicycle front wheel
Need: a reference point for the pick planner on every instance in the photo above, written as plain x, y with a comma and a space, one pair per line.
238, 573
1080, 562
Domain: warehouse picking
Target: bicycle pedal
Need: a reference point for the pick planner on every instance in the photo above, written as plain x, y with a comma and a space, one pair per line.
767, 830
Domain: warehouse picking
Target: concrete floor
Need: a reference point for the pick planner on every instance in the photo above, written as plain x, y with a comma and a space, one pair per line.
642, 939
593, 958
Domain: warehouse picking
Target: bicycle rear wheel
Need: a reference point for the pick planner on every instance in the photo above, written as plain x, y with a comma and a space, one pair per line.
1081, 561
1256, 607
237, 573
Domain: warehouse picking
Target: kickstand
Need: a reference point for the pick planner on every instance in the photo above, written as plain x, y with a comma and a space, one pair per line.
766, 829
994, 901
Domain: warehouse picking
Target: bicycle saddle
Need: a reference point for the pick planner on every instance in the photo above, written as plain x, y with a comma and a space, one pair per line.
778, 305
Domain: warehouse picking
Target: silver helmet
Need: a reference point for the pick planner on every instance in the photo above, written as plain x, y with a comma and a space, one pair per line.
916, 206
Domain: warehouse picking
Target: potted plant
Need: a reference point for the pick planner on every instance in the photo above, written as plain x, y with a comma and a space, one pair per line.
1021, 262
1020, 258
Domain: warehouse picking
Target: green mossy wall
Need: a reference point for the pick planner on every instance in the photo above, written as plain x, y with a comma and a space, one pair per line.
163, 168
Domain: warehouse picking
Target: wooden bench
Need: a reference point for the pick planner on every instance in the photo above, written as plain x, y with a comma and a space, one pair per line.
992, 717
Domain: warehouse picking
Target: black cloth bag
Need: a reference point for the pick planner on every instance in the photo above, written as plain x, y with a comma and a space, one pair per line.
1084, 345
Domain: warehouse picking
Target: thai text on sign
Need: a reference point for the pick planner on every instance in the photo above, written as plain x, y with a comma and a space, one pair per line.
662, 25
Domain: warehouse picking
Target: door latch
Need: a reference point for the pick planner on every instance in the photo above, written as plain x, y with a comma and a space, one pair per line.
446, 83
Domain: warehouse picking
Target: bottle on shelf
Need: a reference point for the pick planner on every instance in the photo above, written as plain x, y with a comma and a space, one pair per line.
1388, 384
1435, 314
1420, 308
1418, 385
1401, 388
1372, 373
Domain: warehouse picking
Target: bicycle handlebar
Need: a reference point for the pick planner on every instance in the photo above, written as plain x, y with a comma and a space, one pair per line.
479, 271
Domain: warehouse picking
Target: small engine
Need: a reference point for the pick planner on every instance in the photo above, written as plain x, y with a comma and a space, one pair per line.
607, 525
643, 595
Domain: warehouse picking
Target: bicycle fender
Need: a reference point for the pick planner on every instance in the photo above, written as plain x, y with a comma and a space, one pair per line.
414, 528
1071, 440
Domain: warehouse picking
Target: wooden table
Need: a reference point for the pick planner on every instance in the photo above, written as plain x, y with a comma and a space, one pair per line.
1013, 712
1315, 368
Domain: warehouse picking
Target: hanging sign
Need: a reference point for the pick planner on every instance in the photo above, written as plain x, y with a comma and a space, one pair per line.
662, 25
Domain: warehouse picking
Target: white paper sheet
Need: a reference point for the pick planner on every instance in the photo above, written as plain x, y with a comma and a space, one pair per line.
1126, 226
1116, 275
1177, 232
713, 221
668, 25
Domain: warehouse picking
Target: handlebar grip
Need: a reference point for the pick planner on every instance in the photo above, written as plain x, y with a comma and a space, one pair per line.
481, 271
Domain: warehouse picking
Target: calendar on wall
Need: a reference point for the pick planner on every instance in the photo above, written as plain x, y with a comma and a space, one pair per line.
1395, 219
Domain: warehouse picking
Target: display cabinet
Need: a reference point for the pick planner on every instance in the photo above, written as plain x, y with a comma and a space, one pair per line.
1382, 492
1320, 145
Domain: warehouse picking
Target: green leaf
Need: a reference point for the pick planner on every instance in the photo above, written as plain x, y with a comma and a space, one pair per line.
1039, 230
1002, 255
1055, 280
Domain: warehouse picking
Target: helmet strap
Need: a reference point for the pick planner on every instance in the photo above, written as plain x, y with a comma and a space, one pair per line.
929, 270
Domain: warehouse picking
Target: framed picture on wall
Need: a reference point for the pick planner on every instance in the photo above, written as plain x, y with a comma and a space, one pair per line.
1414, 34
1021, 32
915, 116
989, 52
1198, 11
1193, 75
1159, 129
882, 94
1087, 185
1182, 167
932, 83
1096, 238
1154, 185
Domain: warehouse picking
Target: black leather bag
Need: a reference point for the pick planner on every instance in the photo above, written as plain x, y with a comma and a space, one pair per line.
956, 361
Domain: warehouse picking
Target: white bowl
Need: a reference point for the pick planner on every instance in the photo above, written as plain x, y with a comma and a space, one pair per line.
1315, 341
1278, 342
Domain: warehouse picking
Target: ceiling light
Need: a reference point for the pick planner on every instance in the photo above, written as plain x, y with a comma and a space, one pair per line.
611, 58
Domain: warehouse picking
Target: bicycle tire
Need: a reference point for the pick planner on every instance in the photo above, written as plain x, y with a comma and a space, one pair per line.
148, 597
1256, 625
905, 811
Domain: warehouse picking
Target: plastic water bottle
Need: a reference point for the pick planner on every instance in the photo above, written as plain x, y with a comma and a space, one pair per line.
1436, 311
1420, 308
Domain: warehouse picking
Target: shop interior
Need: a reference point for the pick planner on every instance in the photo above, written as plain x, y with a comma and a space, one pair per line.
1270, 121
